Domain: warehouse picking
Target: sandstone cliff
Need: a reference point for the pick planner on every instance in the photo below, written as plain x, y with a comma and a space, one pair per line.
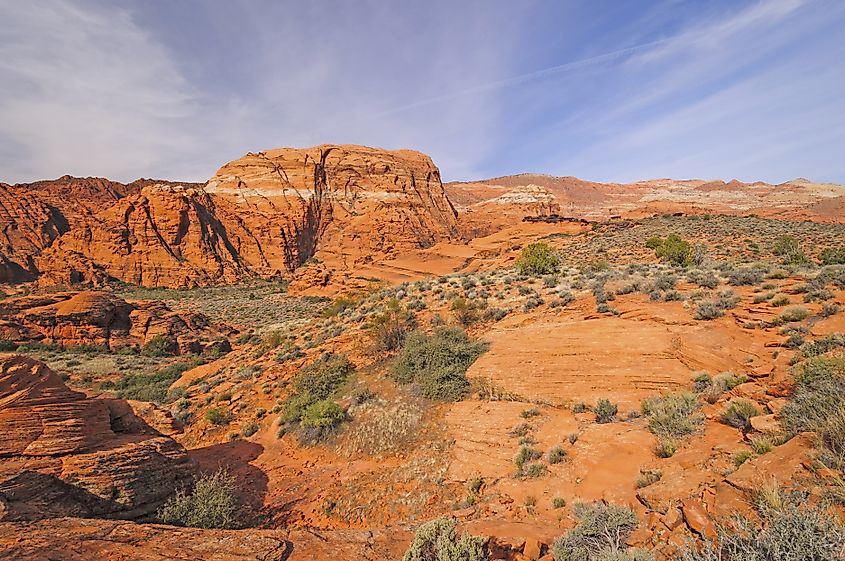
62, 454
262, 215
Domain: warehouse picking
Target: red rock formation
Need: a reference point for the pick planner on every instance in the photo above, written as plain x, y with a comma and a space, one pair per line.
64, 454
262, 215
102, 319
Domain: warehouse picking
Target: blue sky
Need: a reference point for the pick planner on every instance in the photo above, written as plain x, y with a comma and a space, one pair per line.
603, 90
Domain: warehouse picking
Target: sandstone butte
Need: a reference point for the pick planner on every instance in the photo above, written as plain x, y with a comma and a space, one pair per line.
263, 215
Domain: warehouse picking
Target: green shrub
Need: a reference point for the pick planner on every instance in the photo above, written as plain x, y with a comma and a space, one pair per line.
790, 532
605, 411
217, 416
149, 387
323, 414
556, 455
673, 249
339, 305
600, 535
789, 250
389, 329
535, 470
438, 362
673, 415
438, 541
832, 256
249, 429
468, 311
738, 414
538, 259
7, 346
795, 313
742, 456
211, 504
316, 382
160, 346
558, 502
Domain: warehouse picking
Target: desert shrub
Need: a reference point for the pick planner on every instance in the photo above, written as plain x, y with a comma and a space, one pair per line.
437, 363
538, 259
558, 502
823, 345
153, 387
818, 405
829, 309
665, 282
468, 311
438, 540
780, 300
339, 305
701, 382
794, 313
535, 470
832, 256
160, 346
761, 445
523, 456
648, 477
789, 250
738, 414
665, 447
673, 249
211, 504
712, 309
708, 310
600, 535
316, 382
747, 276
789, 532
249, 429
556, 455
217, 416
673, 415
760, 298
704, 279
389, 328
605, 411
742, 456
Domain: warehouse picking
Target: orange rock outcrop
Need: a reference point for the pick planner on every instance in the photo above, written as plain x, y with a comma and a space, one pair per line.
62, 454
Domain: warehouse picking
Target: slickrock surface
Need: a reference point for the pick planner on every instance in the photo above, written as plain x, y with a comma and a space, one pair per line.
64, 454
75, 539
102, 319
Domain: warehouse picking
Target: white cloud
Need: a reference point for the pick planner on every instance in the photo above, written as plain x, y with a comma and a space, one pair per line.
86, 92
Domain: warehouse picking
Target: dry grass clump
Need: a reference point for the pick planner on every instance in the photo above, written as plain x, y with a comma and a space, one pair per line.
382, 429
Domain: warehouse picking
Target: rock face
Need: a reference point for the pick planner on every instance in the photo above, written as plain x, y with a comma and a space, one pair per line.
350, 202
101, 319
62, 454
33, 215
262, 215
164, 236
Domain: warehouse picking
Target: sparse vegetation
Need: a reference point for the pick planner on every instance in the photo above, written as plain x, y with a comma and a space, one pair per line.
738, 414
673, 415
791, 529
605, 411
211, 504
438, 540
600, 534
389, 328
